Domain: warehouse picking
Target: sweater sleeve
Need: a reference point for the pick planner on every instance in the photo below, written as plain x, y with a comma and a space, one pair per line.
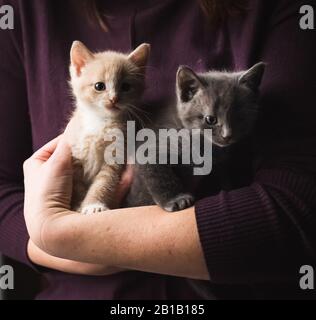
265, 232
15, 144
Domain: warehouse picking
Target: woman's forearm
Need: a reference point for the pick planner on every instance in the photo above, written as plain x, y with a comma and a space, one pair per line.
145, 239
42, 259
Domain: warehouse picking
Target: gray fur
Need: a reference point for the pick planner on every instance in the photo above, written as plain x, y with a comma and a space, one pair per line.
230, 97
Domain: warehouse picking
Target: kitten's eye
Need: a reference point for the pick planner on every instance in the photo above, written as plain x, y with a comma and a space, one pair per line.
190, 94
188, 91
99, 86
211, 120
125, 87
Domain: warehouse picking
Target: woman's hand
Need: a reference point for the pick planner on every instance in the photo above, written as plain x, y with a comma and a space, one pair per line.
48, 179
48, 186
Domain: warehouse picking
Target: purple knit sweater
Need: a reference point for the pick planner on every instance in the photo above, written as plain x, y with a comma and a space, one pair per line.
259, 233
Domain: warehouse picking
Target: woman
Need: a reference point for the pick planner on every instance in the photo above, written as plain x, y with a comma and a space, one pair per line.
253, 238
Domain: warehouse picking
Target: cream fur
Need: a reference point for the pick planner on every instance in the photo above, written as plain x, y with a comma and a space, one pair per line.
95, 181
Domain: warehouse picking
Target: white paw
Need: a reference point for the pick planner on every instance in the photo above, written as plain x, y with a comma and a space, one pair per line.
94, 208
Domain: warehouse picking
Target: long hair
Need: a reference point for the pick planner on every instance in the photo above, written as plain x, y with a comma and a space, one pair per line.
216, 11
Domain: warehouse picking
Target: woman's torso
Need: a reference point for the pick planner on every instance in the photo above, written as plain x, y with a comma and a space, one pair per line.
179, 35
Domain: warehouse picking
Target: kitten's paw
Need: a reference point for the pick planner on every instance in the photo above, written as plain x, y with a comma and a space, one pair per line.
94, 208
180, 202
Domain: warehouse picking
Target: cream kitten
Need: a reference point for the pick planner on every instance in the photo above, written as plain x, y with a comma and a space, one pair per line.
106, 86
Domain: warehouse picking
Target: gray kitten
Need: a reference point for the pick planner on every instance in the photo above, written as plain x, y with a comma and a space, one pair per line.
225, 102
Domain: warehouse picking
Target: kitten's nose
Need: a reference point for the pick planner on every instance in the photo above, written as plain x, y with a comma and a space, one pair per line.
114, 100
226, 133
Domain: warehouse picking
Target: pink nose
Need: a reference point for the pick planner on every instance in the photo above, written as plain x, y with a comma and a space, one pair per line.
114, 100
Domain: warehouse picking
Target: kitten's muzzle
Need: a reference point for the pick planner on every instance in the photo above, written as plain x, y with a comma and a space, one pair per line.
114, 100
223, 142
112, 105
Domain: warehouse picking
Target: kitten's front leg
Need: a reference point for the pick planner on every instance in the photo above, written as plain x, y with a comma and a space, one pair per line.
96, 207
100, 195
166, 188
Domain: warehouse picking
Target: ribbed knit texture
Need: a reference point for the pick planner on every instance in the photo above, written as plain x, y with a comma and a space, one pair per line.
14, 232
246, 232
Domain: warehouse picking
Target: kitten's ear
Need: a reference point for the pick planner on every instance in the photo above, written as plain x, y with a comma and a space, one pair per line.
79, 56
253, 77
140, 55
188, 82
187, 75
